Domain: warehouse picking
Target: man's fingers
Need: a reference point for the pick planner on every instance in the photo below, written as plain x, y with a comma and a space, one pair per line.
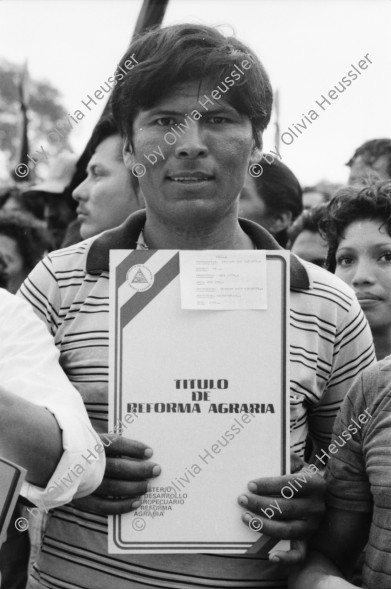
283, 530
296, 555
279, 508
122, 488
102, 506
303, 483
116, 445
131, 470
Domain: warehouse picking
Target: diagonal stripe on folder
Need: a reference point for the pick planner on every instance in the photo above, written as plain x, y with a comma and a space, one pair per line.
140, 300
263, 545
135, 257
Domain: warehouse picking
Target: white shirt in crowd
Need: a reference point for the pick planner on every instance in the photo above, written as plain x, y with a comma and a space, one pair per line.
29, 368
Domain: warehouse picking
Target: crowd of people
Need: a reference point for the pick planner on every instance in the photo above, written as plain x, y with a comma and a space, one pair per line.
54, 244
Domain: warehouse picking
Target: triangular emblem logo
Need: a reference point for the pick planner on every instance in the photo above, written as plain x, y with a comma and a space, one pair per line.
139, 277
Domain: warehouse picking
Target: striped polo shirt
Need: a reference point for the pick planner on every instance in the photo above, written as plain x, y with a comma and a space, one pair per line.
330, 343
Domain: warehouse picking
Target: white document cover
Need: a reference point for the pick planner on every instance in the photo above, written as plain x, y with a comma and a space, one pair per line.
207, 390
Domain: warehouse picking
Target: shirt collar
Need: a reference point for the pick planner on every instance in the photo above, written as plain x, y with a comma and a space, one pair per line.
126, 235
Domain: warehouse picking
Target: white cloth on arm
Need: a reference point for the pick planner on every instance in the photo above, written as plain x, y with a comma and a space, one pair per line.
29, 368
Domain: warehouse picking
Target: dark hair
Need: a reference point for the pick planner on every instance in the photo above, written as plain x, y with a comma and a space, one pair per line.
308, 221
3, 272
181, 53
371, 150
280, 190
31, 236
27, 201
105, 128
350, 204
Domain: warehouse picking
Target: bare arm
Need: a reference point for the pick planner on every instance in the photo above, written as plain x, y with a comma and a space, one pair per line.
319, 573
336, 547
30, 437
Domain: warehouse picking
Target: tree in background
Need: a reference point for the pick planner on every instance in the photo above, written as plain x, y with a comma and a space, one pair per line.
44, 112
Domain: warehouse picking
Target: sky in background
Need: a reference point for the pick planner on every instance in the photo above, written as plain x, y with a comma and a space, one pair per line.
307, 46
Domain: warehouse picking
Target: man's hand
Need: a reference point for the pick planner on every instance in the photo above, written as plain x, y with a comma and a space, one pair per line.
126, 477
293, 518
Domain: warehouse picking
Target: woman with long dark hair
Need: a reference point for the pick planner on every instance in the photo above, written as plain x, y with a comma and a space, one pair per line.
357, 226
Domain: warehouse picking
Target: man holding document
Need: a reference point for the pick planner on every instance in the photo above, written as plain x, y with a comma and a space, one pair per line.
192, 112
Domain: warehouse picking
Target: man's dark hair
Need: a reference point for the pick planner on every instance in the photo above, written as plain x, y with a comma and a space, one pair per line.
31, 236
350, 204
280, 191
107, 127
371, 150
307, 221
181, 53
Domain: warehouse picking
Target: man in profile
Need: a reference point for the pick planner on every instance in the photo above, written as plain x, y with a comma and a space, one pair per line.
191, 112
110, 192
274, 198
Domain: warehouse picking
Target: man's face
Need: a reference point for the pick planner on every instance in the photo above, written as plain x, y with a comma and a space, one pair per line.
106, 197
198, 177
361, 172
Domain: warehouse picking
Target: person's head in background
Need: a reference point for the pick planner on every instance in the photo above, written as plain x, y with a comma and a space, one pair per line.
274, 199
371, 162
357, 227
304, 238
319, 193
23, 201
23, 243
110, 193
59, 208
312, 197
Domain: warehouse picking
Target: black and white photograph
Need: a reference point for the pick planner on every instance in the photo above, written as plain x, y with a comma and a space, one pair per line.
195, 294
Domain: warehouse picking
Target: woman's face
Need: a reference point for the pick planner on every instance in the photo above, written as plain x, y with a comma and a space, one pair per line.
363, 260
14, 263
